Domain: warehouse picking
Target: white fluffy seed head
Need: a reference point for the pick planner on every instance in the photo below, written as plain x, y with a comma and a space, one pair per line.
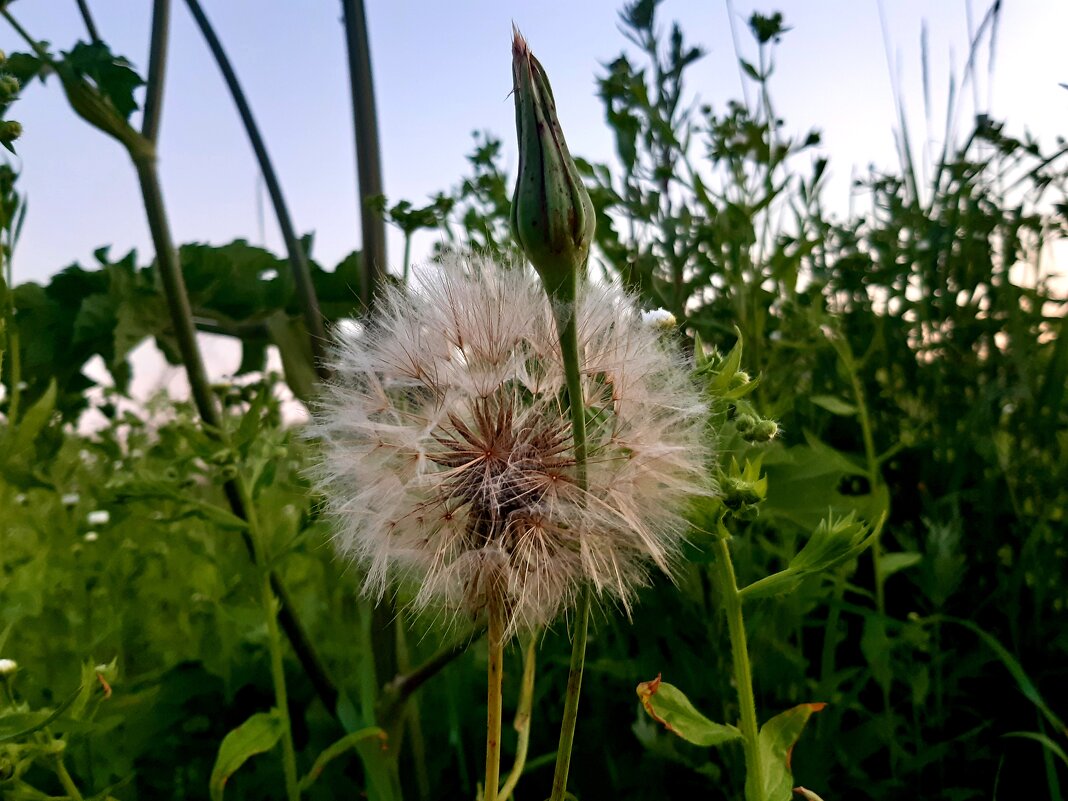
447, 460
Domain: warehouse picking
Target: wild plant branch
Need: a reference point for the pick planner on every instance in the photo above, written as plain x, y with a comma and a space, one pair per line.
298, 261
88, 103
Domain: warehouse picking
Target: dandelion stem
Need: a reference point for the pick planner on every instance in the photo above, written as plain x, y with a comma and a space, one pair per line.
494, 677
724, 577
522, 717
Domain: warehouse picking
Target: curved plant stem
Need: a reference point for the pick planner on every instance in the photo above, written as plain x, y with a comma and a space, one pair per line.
494, 676
397, 691
87, 18
567, 324
298, 261
157, 64
69, 787
724, 578
522, 717
368, 152
142, 153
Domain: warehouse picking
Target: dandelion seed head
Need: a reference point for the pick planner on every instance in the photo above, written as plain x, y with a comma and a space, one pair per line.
447, 461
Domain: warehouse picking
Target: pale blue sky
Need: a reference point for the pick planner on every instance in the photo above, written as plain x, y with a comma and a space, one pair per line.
442, 70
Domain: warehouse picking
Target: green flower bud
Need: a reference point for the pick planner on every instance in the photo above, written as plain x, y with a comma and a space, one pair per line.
833, 541
9, 88
10, 130
552, 214
745, 423
764, 431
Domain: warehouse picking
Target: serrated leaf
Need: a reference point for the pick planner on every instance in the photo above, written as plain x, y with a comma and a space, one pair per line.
258, 734
776, 743
113, 75
669, 706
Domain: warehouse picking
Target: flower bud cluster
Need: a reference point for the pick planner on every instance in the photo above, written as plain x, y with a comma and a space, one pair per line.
10, 130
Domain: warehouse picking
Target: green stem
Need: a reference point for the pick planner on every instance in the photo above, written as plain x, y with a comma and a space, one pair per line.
494, 679
727, 584
874, 475
69, 787
407, 257
298, 261
396, 692
522, 717
87, 18
571, 700
157, 64
15, 372
271, 608
368, 152
566, 296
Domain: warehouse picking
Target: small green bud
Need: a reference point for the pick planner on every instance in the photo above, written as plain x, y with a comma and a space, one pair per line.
10, 130
739, 379
764, 431
746, 424
552, 214
9, 88
738, 493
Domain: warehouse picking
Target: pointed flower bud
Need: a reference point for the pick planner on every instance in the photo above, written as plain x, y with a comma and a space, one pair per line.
552, 214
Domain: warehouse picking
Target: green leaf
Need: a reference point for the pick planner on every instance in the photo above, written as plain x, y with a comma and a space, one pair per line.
294, 346
1023, 681
15, 727
35, 419
668, 705
875, 644
112, 74
776, 744
336, 749
256, 735
834, 405
891, 563
1045, 741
